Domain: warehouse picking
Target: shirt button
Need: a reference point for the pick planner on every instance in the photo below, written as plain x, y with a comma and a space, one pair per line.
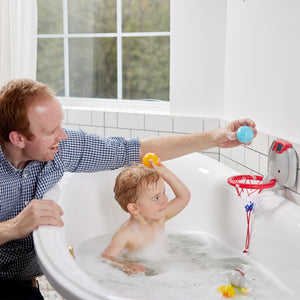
25, 175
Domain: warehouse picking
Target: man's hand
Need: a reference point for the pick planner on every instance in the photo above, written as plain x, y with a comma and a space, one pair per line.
226, 137
36, 213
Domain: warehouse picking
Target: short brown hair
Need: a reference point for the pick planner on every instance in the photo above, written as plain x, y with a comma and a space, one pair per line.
15, 99
129, 182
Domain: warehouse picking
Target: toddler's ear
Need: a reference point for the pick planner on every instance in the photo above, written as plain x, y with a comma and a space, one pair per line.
132, 208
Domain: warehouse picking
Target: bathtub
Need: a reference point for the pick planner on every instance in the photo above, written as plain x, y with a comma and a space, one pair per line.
90, 210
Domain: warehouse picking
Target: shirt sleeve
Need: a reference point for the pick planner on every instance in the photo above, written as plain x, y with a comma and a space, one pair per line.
85, 152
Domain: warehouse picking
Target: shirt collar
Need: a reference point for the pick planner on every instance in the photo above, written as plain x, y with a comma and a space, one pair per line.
9, 167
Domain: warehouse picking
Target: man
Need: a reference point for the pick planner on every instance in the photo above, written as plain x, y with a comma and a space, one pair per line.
36, 151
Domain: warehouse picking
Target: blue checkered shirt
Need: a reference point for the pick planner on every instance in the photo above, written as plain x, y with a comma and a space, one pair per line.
81, 152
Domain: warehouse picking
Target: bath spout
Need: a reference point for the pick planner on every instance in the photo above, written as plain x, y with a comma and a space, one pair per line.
70, 248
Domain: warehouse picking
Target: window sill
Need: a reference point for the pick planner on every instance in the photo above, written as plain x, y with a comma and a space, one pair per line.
131, 106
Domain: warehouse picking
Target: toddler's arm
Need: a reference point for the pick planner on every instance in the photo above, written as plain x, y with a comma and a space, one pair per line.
182, 193
114, 249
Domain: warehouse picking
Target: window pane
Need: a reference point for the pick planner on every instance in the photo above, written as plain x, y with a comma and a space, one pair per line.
92, 16
146, 68
50, 18
93, 67
50, 64
146, 15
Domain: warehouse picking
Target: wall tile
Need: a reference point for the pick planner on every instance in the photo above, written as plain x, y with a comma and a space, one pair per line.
99, 131
79, 116
93, 129
97, 118
243, 170
222, 159
230, 163
117, 132
159, 123
71, 126
281, 192
214, 156
249, 146
162, 133
263, 164
254, 173
252, 159
294, 197
238, 154
142, 134
261, 143
223, 123
111, 119
211, 124
271, 139
65, 112
298, 182
188, 124
213, 150
90, 129
226, 152
296, 146
131, 121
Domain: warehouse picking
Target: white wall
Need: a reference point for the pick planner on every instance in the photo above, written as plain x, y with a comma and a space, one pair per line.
262, 78
261, 61
197, 57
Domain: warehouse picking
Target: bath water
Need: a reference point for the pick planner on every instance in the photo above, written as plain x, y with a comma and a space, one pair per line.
192, 266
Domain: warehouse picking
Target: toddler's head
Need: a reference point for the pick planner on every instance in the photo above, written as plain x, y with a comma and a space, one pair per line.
130, 182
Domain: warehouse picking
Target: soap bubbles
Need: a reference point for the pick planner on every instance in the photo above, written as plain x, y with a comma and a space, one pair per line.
245, 134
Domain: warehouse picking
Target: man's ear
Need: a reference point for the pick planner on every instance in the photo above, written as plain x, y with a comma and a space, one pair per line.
132, 208
17, 139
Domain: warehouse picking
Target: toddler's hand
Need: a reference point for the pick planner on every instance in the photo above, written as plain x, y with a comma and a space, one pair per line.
132, 268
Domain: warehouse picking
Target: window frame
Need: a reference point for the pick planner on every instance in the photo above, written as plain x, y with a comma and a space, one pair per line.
66, 36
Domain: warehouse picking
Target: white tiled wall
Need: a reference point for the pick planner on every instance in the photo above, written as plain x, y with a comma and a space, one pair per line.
245, 159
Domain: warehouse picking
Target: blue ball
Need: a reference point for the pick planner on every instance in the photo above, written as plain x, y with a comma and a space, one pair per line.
245, 134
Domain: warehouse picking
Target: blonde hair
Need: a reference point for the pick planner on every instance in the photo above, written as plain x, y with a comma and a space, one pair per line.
128, 184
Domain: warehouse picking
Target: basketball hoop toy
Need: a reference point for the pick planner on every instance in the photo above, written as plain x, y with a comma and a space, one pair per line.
247, 186
282, 171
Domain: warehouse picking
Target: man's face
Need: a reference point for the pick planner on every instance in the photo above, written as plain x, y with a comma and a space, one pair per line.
45, 119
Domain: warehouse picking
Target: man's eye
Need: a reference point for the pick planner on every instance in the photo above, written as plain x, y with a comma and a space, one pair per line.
156, 198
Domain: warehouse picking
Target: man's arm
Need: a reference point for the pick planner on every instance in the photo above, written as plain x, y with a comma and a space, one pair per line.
172, 146
38, 212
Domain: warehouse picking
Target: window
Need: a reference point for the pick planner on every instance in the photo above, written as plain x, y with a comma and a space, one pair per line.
112, 49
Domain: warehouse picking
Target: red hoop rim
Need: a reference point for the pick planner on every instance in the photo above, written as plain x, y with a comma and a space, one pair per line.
236, 180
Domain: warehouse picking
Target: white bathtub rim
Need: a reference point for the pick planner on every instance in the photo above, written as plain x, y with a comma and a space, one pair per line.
58, 260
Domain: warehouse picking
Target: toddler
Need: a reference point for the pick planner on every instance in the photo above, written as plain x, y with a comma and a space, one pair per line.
140, 191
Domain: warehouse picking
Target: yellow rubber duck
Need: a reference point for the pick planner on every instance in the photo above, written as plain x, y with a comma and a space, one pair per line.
230, 290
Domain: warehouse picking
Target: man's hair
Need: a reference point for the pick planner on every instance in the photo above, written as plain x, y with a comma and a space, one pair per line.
129, 183
15, 99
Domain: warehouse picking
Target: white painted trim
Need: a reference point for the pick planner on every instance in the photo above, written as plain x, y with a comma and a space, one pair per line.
138, 106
